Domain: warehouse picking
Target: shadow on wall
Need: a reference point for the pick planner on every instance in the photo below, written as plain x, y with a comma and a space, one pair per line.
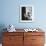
2, 26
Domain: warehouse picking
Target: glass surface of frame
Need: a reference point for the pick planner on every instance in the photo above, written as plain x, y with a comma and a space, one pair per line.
26, 13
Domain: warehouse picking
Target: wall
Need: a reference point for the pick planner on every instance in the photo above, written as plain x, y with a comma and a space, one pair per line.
9, 13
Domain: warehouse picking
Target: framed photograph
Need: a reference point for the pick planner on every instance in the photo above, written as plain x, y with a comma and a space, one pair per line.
26, 13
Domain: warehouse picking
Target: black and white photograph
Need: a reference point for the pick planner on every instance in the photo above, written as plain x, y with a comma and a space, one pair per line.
26, 13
